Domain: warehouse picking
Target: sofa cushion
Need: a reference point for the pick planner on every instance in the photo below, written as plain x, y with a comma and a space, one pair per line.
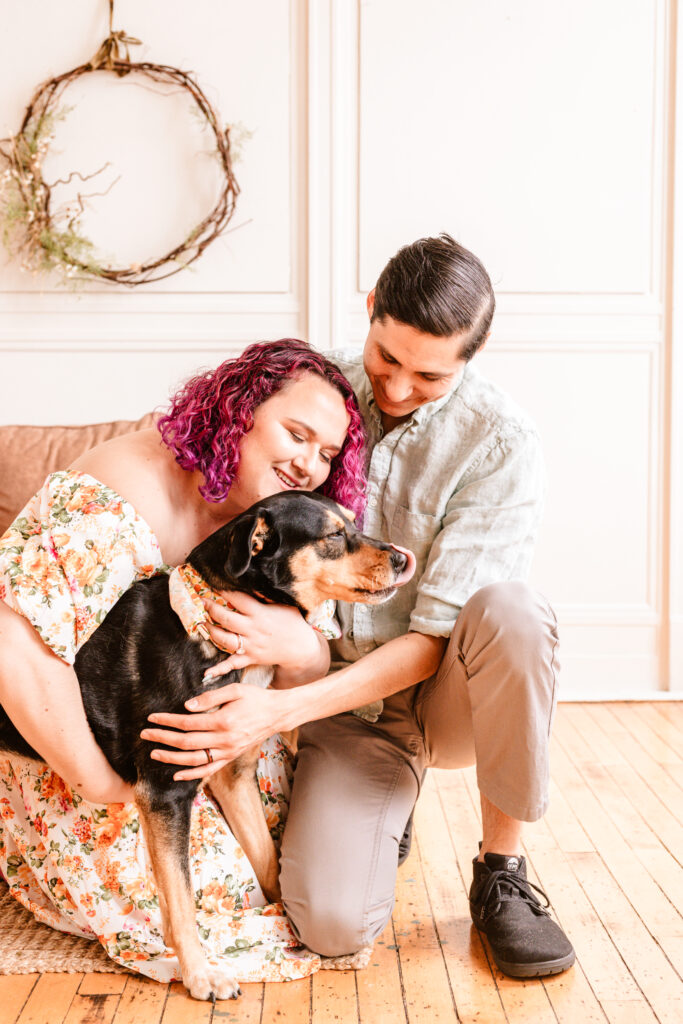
28, 454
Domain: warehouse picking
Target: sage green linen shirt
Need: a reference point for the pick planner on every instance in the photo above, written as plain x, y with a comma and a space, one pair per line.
461, 484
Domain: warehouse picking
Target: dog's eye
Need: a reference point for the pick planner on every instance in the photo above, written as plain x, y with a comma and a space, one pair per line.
337, 535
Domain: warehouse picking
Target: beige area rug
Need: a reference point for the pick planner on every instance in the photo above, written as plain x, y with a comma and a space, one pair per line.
27, 947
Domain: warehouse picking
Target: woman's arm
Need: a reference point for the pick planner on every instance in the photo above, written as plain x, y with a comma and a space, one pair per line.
272, 634
249, 715
41, 695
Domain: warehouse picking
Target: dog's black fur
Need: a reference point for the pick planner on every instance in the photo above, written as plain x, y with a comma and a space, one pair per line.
141, 660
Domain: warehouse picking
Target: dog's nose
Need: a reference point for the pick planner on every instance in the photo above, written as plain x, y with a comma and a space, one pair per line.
398, 561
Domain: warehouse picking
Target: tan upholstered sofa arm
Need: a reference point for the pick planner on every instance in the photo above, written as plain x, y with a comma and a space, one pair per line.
28, 454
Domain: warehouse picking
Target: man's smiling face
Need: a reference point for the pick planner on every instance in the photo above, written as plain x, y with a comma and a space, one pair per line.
408, 368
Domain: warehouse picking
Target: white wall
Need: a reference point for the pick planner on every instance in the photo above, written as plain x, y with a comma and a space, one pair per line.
541, 135
103, 352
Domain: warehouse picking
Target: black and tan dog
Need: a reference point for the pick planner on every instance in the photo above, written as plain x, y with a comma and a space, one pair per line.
293, 548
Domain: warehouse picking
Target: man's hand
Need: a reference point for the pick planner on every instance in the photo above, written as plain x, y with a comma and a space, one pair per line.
247, 715
272, 634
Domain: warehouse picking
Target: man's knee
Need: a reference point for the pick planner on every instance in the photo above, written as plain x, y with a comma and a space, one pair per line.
507, 634
515, 611
334, 927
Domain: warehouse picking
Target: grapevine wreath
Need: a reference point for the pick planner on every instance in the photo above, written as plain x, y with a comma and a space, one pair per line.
46, 239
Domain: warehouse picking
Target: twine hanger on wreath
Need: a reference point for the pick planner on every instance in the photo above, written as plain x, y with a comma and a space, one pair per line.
110, 55
47, 240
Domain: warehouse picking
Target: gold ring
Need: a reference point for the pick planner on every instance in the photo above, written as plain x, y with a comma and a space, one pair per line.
209, 758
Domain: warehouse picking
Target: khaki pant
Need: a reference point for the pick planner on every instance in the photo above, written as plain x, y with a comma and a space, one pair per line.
491, 704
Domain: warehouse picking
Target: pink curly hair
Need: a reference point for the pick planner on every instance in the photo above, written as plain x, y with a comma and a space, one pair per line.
213, 411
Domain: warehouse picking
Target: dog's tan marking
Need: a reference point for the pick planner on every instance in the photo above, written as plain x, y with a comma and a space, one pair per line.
238, 794
347, 512
258, 675
258, 537
353, 577
291, 739
170, 865
206, 645
336, 520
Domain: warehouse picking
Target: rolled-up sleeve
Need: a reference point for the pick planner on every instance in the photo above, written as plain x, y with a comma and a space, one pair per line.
487, 534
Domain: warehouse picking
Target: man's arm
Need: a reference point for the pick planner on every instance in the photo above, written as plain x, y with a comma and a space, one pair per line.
249, 715
395, 666
42, 697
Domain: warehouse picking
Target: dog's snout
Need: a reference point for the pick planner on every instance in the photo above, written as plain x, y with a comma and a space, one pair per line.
398, 561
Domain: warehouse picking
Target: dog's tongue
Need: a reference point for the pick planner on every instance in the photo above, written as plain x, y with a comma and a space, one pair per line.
407, 573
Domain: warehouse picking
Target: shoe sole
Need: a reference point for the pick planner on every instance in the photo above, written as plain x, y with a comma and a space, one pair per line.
540, 969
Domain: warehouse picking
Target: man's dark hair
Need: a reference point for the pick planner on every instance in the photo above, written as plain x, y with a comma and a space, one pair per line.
440, 288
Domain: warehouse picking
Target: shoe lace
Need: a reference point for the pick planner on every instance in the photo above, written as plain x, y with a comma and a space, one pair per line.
504, 885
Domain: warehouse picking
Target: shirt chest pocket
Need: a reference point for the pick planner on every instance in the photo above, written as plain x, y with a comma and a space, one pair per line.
414, 530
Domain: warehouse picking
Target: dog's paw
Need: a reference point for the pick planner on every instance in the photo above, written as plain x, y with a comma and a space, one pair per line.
212, 983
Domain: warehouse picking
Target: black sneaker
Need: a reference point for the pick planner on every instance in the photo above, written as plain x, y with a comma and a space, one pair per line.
525, 941
407, 838
406, 841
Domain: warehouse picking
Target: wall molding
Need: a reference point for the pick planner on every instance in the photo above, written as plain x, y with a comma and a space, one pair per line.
604, 335
619, 331
137, 344
674, 567
126, 331
599, 615
602, 696
79, 303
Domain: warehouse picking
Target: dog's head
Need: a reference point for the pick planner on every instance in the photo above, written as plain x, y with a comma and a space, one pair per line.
302, 548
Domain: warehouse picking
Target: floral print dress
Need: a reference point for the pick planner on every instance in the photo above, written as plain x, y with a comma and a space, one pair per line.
84, 868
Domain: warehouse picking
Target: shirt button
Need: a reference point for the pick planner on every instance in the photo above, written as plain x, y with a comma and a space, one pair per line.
350, 634
372, 502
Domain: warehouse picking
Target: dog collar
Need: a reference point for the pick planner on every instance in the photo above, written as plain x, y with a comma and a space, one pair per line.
187, 591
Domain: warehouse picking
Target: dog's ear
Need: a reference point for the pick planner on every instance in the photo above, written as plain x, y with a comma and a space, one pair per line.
346, 511
252, 534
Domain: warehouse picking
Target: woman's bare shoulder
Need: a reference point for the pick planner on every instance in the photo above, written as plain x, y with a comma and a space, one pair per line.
141, 469
129, 458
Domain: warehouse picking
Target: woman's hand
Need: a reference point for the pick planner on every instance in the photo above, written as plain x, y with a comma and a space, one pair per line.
254, 633
270, 634
247, 715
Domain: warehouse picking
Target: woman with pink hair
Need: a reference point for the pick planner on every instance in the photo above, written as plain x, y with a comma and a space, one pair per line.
278, 417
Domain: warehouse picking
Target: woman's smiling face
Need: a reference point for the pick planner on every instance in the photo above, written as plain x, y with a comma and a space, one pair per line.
296, 434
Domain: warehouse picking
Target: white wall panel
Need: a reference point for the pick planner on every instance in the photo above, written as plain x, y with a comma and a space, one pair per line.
539, 134
524, 128
540, 137
607, 662
249, 285
102, 381
674, 553
153, 139
595, 410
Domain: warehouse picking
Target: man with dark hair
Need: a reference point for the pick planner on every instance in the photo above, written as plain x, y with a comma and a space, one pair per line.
460, 667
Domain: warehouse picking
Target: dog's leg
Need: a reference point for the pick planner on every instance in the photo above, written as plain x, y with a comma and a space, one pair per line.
166, 828
237, 792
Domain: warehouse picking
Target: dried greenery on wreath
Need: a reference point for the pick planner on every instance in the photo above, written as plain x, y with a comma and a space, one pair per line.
47, 239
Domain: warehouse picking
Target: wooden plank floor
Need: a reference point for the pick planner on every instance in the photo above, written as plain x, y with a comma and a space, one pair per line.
609, 854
